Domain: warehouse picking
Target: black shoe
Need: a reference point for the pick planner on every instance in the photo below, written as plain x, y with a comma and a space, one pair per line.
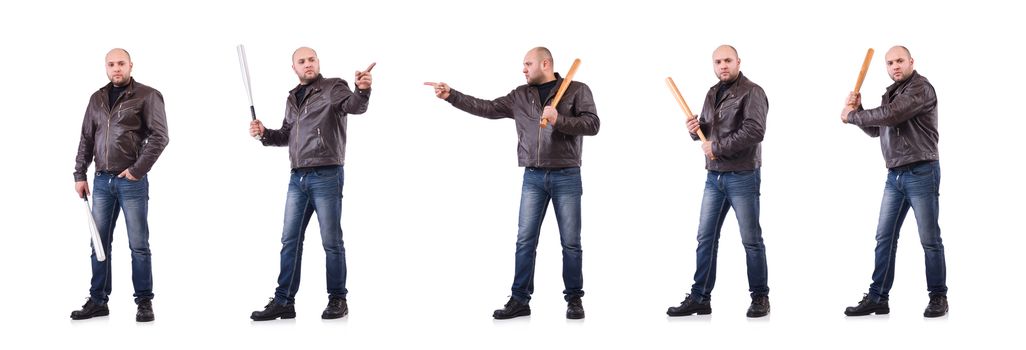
512, 309
760, 306
337, 308
937, 307
144, 311
867, 306
690, 306
574, 308
90, 310
274, 310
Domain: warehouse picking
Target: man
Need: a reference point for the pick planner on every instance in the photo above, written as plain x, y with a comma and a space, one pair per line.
314, 128
734, 122
551, 156
124, 132
906, 123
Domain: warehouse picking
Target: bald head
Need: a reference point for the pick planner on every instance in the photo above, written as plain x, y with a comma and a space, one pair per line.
118, 50
119, 66
306, 65
538, 66
303, 51
726, 64
899, 63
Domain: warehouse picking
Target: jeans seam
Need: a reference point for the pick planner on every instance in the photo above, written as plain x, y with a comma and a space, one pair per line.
110, 242
296, 257
715, 248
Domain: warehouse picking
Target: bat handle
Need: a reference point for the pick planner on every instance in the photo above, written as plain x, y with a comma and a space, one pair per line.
252, 112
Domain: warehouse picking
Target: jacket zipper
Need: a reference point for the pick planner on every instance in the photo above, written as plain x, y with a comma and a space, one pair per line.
538, 149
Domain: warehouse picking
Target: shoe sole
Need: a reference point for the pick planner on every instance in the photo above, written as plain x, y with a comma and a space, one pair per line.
284, 316
146, 319
86, 317
699, 312
878, 312
332, 317
518, 314
575, 317
751, 315
929, 315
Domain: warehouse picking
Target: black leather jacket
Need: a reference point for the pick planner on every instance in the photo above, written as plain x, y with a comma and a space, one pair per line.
131, 135
906, 122
736, 127
315, 130
561, 143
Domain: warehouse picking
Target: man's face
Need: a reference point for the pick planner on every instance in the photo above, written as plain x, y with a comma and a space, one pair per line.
726, 65
119, 67
306, 64
533, 69
899, 64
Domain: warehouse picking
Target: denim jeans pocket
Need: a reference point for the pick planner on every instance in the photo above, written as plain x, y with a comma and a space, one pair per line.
575, 171
326, 172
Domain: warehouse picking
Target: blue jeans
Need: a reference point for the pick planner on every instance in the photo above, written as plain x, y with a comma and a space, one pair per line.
312, 190
111, 193
725, 190
914, 186
563, 187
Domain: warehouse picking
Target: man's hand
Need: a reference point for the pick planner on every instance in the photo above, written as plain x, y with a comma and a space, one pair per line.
844, 113
363, 79
256, 128
441, 89
707, 148
127, 175
854, 99
82, 188
549, 116
693, 126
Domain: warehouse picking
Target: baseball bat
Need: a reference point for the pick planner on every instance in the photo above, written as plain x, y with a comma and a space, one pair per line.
684, 105
244, 66
94, 233
562, 87
865, 68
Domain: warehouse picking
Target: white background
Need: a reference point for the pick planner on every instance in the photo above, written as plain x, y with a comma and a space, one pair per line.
432, 193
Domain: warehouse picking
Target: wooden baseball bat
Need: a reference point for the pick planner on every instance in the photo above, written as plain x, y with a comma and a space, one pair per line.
684, 106
562, 87
865, 68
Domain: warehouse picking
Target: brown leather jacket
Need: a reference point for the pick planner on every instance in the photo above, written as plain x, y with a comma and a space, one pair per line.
561, 143
315, 130
131, 135
906, 122
735, 126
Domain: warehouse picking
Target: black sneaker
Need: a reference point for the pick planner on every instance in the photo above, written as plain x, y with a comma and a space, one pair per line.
574, 308
760, 306
513, 308
337, 308
90, 310
274, 310
868, 306
937, 307
144, 311
690, 306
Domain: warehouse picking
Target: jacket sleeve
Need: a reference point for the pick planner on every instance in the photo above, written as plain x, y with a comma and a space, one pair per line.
585, 120
279, 137
917, 97
86, 143
156, 126
499, 108
872, 131
753, 126
349, 101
